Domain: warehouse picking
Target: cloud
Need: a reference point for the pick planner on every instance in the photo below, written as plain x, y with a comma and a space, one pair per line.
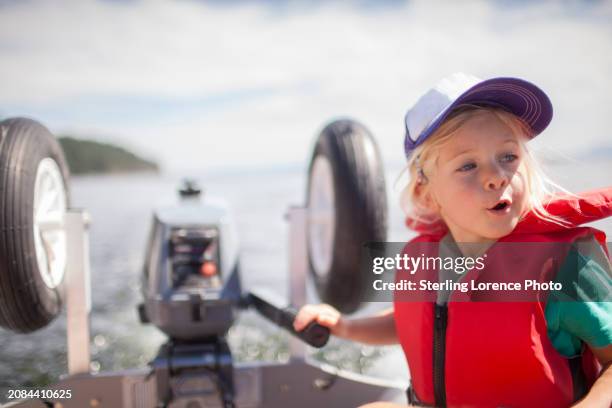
202, 84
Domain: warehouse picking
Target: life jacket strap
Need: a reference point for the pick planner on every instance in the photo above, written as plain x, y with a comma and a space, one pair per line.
579, 380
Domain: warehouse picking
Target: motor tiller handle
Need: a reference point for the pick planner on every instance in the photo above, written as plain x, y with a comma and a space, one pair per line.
313, 334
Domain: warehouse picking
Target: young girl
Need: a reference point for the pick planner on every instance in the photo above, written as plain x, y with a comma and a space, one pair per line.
474, 188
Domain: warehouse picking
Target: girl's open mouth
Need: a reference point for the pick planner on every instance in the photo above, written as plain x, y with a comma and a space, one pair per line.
502, 207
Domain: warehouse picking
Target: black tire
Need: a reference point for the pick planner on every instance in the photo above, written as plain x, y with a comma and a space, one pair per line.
360, 207
26, 302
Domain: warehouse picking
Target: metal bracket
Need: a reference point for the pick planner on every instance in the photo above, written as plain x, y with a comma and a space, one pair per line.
78, 291
298, 268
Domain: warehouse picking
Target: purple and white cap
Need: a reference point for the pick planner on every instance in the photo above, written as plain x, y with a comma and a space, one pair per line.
517, 96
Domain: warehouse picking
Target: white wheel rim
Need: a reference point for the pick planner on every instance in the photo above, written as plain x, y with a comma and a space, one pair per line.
321, 216
49, 212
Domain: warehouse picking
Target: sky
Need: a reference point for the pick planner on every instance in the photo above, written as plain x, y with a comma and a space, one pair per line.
245, 84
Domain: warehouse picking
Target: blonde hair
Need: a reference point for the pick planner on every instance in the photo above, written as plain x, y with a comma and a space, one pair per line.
422, 161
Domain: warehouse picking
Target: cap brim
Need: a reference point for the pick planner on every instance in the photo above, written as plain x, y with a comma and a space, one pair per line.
520, 97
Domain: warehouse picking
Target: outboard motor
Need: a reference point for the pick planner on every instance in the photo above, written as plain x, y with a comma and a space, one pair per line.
191, 280
191, 288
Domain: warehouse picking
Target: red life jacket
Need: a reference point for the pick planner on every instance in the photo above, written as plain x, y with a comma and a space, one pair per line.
491, 354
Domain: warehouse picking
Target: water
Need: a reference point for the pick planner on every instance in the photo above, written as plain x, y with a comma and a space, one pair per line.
121, 208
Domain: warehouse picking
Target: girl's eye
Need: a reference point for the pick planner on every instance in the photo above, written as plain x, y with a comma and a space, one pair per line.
467, 167
509, 158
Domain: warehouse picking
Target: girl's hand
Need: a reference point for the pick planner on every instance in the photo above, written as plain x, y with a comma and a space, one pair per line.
323, 314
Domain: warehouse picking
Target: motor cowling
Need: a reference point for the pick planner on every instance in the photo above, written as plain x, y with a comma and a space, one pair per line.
191, 278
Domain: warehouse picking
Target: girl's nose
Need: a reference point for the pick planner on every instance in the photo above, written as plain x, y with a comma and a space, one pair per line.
495, 179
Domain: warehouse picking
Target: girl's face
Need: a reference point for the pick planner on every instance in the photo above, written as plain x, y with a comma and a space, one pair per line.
478, 187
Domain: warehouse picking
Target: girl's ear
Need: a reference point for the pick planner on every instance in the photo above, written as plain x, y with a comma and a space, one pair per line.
425, 198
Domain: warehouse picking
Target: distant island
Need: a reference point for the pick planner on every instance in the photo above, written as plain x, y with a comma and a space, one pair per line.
89, 157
